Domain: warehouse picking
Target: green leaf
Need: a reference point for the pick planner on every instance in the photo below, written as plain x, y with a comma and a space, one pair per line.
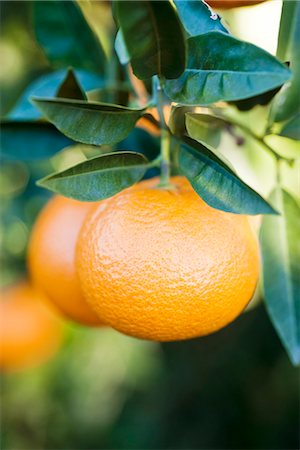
198, 18
292, 128
205, 128
286, 103
87, 122
98, 178
28, 141
153, 36
65, 36
47, 86
177, 119
221, 67
121, 49
286, 29
280, 244
70, 87
216, 183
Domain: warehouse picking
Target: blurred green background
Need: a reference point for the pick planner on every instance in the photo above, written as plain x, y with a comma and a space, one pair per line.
235, 389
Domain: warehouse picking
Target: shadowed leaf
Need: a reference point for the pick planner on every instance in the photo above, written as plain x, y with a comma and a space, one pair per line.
66, 37
87, 122
28, 141
153, 37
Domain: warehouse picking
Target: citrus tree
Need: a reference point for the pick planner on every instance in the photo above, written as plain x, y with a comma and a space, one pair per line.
174, 66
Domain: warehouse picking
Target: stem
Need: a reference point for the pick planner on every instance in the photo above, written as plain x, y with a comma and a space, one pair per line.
165, 166
259, 139
278, 172
165, 140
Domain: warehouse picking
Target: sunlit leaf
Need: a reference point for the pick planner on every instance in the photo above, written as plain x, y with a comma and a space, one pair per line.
217, 184
280, 244
153, 37
87, 122
205, 128
98, 178
221, 67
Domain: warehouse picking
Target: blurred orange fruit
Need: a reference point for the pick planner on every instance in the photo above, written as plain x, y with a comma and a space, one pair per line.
159, 263
29, 332
228, 4
51, 257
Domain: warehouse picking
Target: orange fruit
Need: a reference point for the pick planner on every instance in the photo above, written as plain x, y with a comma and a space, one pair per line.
228, 4
29, 332
160, 264
51, 257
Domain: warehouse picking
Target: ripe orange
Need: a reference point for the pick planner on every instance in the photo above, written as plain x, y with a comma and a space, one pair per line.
51, 256
228, 4
161, 264
29, 332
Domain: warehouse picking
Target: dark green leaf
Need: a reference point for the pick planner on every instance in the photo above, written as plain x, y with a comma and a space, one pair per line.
205, 128
47, 86
65, 36
98, 178
286, 103
70, 87
198, 18
280, 244
217, 184
89, 123
221, 67
292, 128
29, 141
153, 36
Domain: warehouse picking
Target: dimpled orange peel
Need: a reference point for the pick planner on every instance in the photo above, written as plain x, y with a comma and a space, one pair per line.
160, 264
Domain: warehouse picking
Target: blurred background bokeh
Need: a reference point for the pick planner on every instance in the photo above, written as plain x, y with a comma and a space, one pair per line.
102, 390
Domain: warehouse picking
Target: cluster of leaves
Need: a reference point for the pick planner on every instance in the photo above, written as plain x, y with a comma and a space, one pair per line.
184, 55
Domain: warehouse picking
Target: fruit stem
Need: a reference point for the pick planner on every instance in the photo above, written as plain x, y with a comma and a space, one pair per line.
165, 140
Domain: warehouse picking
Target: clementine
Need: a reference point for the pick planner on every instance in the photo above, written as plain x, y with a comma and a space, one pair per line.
159, 263
29, 332
51, 257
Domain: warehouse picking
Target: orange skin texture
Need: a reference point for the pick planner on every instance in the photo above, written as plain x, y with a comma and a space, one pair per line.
161, 264
51, 257
30, 333
228, 4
